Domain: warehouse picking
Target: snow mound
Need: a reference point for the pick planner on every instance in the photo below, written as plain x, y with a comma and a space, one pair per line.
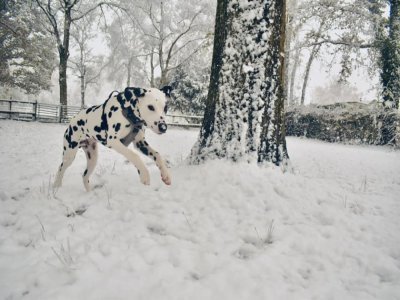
328, 230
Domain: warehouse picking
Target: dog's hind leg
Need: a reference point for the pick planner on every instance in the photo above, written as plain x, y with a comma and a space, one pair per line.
69, 153
90, 148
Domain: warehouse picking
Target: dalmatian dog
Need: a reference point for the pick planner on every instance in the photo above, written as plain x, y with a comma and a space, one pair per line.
116, 123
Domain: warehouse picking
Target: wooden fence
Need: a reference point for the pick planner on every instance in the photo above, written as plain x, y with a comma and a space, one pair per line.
53, 113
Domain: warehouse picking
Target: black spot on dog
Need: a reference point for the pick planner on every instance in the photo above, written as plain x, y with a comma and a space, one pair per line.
114, 108
127, 125
98, 106
97, 129
121, 100
128, 94
139, 92
110, 114
104, 123
81, 122
73, 144
75, 128
138, 172
155, 122
117, 127
167, 90
88, 155
65, 148
134, 102
84, 173
142, 148
89, 109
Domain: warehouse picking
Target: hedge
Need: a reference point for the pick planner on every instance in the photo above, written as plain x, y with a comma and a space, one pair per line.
350, 122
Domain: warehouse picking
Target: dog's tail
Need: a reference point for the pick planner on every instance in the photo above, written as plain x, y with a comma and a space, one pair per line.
111, 94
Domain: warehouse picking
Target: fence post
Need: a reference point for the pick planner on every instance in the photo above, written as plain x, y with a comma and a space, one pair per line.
35, 109
10, 114
59, 113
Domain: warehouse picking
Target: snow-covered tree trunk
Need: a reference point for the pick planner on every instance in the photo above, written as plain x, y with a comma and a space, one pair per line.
390, 60
244, 109
273, 141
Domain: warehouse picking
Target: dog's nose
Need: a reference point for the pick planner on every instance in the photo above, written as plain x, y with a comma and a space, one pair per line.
162, 127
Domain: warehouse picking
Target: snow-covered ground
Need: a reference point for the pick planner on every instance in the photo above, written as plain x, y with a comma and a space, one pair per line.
330, 230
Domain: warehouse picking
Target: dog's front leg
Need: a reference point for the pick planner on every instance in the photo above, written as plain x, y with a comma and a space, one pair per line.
145, 148
134, 159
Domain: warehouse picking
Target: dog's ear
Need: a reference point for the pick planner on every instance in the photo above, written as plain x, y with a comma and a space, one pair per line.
167, 90
130, 91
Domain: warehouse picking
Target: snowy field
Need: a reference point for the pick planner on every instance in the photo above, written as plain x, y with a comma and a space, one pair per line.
329, 230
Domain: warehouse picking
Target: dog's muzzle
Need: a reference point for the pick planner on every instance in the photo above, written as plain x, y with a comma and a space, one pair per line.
162, 127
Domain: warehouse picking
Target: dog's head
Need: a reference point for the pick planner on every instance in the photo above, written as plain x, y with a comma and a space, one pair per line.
150, 106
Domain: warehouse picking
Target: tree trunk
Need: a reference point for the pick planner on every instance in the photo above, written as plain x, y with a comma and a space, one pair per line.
83, 88
220, 35
152, 68
390, 59
314, 52
62, 79
288, 58
273, 141
295, 66
246, 84
64, 55
128, 72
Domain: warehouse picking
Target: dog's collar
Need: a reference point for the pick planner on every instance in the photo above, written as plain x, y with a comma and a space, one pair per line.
128, 112
132, 118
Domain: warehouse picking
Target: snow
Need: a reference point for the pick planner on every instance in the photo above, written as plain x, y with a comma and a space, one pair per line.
327, 230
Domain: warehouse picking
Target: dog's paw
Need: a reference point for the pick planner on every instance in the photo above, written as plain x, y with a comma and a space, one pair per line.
166, 177
144, 177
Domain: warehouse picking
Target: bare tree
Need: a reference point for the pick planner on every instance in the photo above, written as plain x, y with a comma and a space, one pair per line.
85, 64
59, 16
174, 36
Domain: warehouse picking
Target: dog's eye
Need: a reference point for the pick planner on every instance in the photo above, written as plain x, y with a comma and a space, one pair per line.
165, 108
151, 107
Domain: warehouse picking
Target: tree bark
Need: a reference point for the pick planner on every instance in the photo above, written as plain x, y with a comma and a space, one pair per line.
83, 88
152, 67
62, 78
273, 140
63, 50
220, 35
390, 59
243, 119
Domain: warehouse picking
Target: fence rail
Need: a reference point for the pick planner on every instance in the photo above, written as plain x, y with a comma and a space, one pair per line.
53, 113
